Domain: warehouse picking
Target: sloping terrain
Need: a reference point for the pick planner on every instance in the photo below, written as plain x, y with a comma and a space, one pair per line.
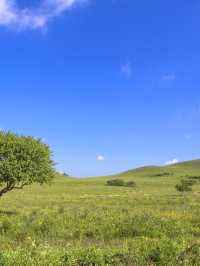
85, 222
187, 167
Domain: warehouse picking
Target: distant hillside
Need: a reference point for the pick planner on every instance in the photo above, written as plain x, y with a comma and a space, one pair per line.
182, 168
194, 164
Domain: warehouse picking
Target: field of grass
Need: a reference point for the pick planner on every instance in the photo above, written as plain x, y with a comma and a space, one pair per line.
84, 222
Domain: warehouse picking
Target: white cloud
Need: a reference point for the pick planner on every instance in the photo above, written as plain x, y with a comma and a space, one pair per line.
174, 161
126, 70
100, 158
168, 77
32, 18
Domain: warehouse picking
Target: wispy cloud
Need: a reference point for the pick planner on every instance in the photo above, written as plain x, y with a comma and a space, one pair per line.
32, 18
126, 70
174, 161
100, 158
168, 77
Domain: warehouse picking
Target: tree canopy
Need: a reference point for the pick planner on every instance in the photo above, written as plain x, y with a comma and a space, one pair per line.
24, 160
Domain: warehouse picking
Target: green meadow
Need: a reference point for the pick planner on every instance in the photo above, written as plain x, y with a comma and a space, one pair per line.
85, 222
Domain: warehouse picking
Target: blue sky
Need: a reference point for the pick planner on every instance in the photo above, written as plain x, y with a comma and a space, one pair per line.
109, 85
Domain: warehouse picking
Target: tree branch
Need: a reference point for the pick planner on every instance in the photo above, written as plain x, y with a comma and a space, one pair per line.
9, 186
21, 187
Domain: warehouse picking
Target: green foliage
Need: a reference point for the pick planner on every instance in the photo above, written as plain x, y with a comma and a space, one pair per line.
82, 222
188, 182
23, 161
65, 174
120, 183
185, 185
194, 177
130, 184
182, 188
116, 182
163, 174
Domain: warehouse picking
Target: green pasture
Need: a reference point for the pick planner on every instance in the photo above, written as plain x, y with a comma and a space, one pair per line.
84, 222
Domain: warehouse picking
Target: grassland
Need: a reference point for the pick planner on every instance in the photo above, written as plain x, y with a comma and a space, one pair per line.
84, 222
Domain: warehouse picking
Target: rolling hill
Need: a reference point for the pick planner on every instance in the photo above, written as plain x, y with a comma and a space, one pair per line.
80, 221
182, 168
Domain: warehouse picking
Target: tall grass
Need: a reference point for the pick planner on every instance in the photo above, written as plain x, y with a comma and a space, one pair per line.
84, 222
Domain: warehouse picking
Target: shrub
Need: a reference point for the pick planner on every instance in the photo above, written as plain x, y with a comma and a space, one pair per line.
130, 184
115, 182
65, 174
120, 183
163, 174
188, 182
194, 177
184, 186
154, 256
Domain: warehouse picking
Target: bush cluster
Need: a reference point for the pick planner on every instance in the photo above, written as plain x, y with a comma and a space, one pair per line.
185, 185
163, 174
194, 177
120, 183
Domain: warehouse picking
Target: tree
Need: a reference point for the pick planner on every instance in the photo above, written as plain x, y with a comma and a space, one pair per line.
24, 160
65, 174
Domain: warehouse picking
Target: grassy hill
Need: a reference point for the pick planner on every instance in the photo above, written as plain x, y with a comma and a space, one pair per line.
187, 167
83, 222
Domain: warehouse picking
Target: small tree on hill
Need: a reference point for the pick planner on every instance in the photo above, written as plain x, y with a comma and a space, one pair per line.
23, 161
65, 174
